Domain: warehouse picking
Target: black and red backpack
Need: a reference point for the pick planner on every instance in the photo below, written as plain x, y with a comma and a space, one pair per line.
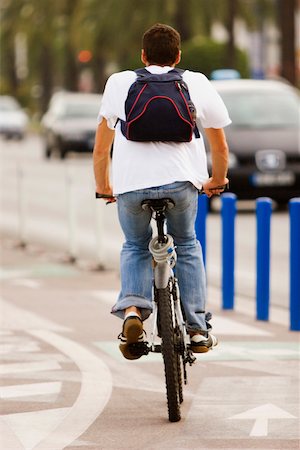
159, 108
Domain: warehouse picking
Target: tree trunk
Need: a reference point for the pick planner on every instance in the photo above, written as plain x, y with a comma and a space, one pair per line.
232, 7
287, 10
70, 70
46, 74
182, 19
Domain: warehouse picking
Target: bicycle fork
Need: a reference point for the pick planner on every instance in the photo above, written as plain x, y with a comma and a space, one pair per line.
164, 258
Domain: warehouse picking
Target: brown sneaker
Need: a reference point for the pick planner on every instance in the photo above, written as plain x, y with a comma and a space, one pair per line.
201, 344
132, 333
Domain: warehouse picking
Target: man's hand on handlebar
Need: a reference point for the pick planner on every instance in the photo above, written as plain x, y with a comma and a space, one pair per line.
108, 196
211, 187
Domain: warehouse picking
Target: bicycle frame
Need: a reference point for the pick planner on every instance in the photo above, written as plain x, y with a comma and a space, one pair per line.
164, 257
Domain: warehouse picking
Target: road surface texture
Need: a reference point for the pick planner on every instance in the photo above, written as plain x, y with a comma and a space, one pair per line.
64, 383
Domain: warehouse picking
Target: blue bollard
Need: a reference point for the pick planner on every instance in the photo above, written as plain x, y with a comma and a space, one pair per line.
294, 209
263, 227
200, 224
228, 212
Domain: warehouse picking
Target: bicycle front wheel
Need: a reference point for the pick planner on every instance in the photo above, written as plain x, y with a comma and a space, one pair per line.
169, 352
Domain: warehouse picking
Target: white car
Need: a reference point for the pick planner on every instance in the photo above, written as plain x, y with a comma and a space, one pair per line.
13, 120
70, 123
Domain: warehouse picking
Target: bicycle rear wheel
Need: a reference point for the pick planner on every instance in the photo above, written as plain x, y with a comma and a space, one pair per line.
169, 352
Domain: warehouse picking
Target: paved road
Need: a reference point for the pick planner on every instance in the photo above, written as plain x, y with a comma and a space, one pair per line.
52, 202
66, 385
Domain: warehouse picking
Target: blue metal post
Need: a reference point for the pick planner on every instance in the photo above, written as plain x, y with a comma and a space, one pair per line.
263, 228
200, 224
294, 208
228, 237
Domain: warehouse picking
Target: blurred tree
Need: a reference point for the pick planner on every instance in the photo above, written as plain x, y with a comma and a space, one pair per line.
205, 55
230, 53
287, 12
57, 31
9, 19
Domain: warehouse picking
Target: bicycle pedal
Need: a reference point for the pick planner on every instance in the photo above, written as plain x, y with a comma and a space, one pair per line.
139, 348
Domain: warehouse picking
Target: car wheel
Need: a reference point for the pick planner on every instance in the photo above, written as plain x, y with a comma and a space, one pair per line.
62, 153
48, 152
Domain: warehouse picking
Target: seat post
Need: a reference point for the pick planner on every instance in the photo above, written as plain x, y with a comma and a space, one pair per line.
160, 220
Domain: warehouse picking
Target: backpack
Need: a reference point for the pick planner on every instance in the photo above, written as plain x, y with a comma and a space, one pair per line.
159, 108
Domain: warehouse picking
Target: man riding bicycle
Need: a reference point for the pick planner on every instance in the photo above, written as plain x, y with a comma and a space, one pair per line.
154, 170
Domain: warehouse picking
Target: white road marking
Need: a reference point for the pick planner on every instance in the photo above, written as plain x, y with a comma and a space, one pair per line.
9, 440
6, 274
225, 326
20, 356
262, 414
225, 397
96, 387
5, 333
30, 347
51, 375
26, 390
31, 427
26, 282
106, 295
6, 369
15, 318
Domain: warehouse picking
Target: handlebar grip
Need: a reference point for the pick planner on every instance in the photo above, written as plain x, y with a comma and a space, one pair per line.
103, 195
224, 187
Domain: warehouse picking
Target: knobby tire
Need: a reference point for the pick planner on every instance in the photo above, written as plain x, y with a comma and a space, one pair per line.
170, 355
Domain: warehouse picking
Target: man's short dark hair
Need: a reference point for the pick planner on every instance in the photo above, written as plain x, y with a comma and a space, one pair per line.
161, 44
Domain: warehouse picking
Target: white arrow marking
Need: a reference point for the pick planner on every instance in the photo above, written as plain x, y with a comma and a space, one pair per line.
261, 415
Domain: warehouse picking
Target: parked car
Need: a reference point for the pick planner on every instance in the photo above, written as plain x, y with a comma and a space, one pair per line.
13, 120
70, 123
263, 138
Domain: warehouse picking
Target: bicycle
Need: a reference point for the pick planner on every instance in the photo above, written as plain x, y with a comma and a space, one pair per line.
167, 317
168, 322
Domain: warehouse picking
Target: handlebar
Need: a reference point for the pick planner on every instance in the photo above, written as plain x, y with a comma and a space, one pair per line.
111, 197
223, 187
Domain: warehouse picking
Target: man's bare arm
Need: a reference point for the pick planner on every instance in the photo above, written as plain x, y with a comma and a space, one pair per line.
219, 154
101, 158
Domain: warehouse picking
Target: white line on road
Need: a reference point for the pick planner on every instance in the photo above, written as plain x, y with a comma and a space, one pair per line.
26, 282
6, 369
15, 318
96, 387
26, 390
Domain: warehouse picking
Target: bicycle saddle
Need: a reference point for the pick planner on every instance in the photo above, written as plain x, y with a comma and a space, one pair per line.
158, 205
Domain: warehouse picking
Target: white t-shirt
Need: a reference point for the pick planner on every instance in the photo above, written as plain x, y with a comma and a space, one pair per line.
140, 165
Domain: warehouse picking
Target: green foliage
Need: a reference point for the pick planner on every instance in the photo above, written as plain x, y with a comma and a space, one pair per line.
57, 30
205, 55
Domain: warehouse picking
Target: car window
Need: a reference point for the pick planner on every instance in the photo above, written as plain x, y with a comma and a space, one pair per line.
81, 109
262, 109
8, 104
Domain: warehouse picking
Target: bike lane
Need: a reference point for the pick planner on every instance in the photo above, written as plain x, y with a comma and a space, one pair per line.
66, 385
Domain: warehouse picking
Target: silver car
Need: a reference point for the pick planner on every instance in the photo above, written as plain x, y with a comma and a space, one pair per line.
13, 120
70, 123
264, 138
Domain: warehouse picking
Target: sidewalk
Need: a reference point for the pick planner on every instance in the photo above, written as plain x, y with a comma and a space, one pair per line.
62, 371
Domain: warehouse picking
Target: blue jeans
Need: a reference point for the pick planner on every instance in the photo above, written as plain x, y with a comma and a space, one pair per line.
136, 268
